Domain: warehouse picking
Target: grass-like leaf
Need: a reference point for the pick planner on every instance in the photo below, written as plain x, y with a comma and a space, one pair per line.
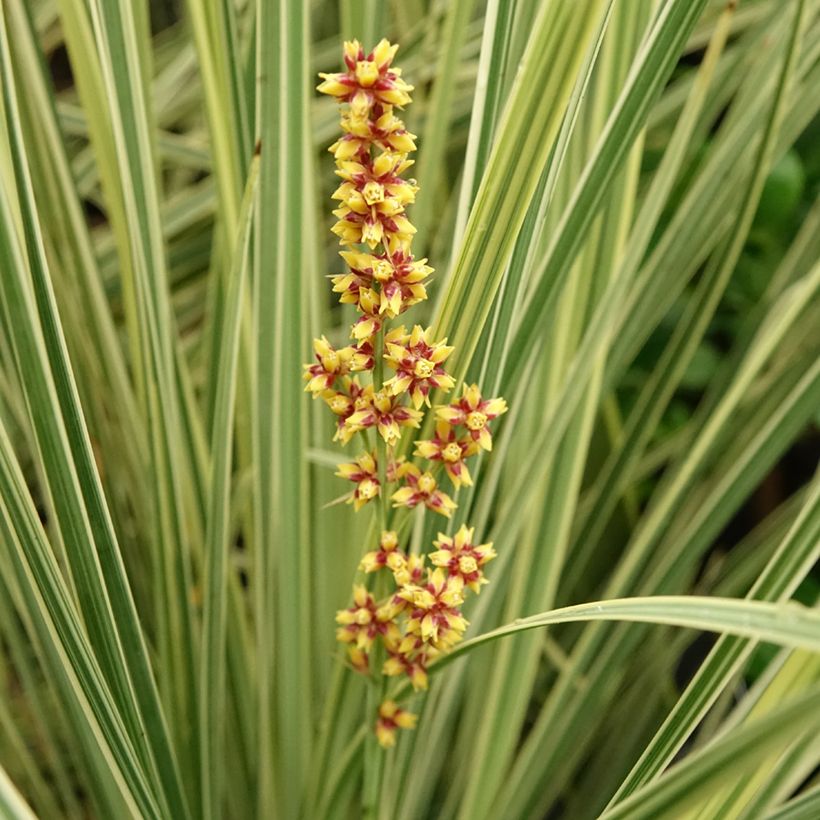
620, 203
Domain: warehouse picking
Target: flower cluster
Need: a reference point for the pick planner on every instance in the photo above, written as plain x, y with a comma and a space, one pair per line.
421, 618
417, 613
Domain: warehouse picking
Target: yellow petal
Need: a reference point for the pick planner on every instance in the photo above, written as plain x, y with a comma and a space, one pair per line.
384, 53
406, 720
386, 736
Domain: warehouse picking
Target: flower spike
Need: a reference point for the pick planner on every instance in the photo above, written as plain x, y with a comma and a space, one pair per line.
420, 617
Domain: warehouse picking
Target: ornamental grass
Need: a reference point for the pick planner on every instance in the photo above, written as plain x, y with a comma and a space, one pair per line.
536, 534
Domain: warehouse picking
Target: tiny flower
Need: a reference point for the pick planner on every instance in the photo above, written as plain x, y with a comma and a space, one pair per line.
422, 488
345, 402
359, 659
392, 607
392, 717
382, 129
360, 624
406, 569
368, 80
366, 357
452, 451
371, 226
331, 365
349, 285
434, 615
399, 278
417, 361
474, 412
461, 558
412, 663
385, 223
356, 286
376, 559
386, 413
375, 182
364, 472
364, 328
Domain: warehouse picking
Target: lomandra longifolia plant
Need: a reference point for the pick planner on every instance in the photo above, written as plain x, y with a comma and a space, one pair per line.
404, 613
620, 198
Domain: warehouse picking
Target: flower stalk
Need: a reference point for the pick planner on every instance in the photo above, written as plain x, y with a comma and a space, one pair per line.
406, 610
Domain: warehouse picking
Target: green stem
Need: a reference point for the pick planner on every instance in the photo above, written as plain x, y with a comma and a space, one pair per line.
419, 521
373, 755
381, 446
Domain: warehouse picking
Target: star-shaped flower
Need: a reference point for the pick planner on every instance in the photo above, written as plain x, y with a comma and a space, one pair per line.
385, 412
382, 129
398, 278
381, 557
331, 364
461, 558
360, 623
417, 360
451, 450
369, 79
392, 717
434, 614
474, 412
422, 488
364, 473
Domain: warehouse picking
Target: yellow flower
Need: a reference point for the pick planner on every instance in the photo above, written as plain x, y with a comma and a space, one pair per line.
451, 450
369, 80
369, 322
386, 414
392, 717
417, 361
331, 364
422, 488
398, 278
412, 663
364, 472
345, 402
358, 623
359, 659
434, 615
370, 181
362, 622
385, 131
407, 569
384, 223
461, 558
388, 548
474, 412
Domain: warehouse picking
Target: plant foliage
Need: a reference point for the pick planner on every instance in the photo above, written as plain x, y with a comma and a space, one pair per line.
619, 199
